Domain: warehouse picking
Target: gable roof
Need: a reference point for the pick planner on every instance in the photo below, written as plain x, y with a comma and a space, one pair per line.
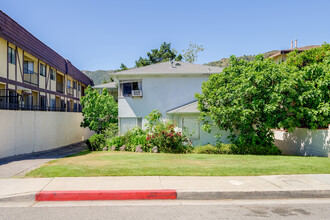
110, 85
191, 107
171, 68
300, 49
14, 33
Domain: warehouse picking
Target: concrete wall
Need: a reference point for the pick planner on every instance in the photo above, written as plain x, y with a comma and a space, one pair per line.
304, 142
23, 132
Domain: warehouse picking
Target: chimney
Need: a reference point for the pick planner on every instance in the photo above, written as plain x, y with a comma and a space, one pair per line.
295, 43
291, 44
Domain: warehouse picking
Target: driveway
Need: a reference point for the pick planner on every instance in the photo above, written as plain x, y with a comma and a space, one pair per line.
20, 165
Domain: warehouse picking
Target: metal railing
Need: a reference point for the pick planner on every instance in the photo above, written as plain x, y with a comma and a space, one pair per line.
59, 87
15, 106
31, 77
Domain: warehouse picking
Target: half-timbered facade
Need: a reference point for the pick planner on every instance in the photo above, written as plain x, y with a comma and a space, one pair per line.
33, 76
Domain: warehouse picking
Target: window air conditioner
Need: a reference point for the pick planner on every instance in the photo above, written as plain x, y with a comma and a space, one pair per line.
137, 93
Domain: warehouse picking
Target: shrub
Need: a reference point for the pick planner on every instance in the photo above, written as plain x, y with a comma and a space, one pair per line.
207, 149
95, 142
220, 148
115, 141
163, 135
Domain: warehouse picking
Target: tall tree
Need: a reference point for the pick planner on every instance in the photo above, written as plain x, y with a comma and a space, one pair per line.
164, 53
99, 110
251, 98
191, 54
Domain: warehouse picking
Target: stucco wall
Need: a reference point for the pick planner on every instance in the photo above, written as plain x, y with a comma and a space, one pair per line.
204, 137
304, 142
24, 132
162, 93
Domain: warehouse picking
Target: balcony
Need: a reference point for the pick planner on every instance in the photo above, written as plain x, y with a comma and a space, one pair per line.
31, 77
69, 91
59, 87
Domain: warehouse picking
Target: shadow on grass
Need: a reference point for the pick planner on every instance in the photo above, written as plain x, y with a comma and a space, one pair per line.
79, 154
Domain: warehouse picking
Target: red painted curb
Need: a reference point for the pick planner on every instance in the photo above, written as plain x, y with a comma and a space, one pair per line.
105, 195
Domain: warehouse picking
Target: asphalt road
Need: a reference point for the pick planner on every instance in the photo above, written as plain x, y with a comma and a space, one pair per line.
220, 209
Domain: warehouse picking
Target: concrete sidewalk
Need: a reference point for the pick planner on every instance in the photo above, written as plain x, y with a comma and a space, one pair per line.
196, 188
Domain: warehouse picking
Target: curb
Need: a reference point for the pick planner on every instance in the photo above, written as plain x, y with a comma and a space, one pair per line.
163, 195
214, 195
105, 195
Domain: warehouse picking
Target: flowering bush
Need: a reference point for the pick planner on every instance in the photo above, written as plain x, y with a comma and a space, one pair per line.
163, 135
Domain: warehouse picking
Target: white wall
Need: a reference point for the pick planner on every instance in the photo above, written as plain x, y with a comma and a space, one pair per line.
304, 142
24, 132
162, 93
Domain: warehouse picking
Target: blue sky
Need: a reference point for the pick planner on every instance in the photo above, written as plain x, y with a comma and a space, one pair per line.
100, 34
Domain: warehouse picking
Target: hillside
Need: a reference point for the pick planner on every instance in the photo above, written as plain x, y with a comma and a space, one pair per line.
98, 76
224, 62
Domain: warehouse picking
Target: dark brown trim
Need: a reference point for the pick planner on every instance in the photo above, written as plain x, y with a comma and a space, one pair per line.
7, 60
20, 67
15, 63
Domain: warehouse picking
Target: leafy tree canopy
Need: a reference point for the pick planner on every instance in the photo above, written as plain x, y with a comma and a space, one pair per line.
99, 110
164, 53
191, 54
251, 98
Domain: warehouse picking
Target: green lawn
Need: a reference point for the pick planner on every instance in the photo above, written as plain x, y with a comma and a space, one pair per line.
146, 164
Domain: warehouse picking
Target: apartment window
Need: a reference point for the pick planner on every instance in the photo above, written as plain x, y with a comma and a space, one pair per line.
68, 84
53, 104
74, 85
128, 89
42, 103
42, 69
52, 74
28, 67
11, 55
79, 87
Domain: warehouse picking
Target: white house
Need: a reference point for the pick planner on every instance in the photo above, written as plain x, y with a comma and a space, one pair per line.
169, 87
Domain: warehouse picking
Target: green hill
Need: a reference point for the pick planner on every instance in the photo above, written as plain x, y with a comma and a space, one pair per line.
224, 62
99, 76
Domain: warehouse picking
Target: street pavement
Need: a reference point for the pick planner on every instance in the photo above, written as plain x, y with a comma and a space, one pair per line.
187, 187
20, 165
173, 209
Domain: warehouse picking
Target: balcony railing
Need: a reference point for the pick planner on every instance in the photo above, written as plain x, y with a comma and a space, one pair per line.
59, 87
31, 77
69, 91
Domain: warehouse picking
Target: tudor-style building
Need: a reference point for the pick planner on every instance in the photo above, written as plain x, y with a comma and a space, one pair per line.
33, 76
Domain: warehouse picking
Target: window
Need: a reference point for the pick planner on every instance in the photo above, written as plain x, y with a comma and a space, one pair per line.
79, 87
127, 124
42, 103
126, 88
53, 104
74, 85
52, 74
68, 84
11, 55
192, 126
42, 70
28, 67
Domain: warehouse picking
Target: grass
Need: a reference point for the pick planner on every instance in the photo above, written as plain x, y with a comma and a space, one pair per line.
145, 164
